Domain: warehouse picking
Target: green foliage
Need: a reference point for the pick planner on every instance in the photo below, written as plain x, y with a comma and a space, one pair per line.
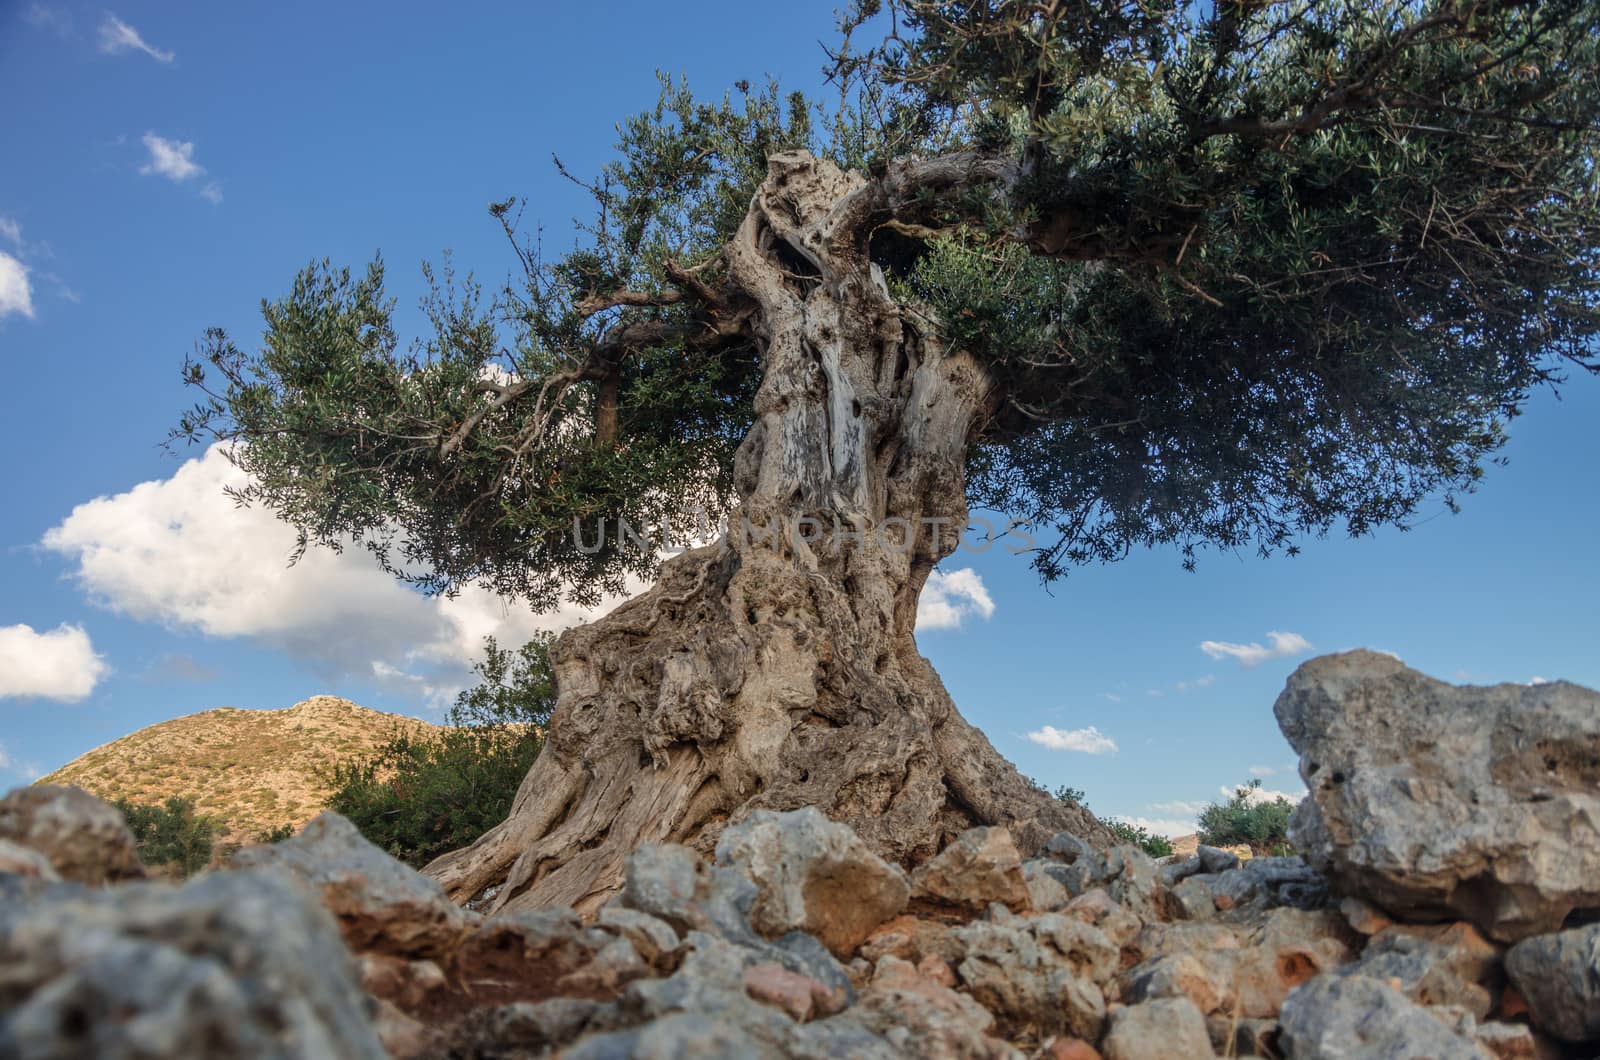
276, 835
1245, 819
1133, 835
473, 457
1286, 266
1136, 835
1074, 796
1240, 272
418, 797
171, 833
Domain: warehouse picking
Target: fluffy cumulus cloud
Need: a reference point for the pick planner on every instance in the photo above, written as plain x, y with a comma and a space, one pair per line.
1089, 741
16, 293
173, 159
60, 664
178, 552
1278, 646
949, 597
119, 38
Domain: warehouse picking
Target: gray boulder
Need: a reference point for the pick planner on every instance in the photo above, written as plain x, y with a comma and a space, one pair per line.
1559, 977
1158, 1030
230, 965
1439, 802
1336, 1017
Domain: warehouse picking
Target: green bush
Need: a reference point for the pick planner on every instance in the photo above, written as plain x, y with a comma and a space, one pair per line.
419, 797
1245, 820
1134, 835
171, 834
276, 835
1152, 844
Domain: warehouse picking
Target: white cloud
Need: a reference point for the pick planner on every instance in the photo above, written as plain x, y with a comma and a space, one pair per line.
1538, 680
1179, 808
60, 664
1199, 682
1112, 696
1260, 795
212, 193
117, 37
1090, 741
1279, 646
173, 159
11, 230
1263, 771
16, 293
5, 759
177, 551
951, 596
43, 16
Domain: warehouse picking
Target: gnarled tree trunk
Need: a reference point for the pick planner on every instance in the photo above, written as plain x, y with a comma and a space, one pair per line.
777, 668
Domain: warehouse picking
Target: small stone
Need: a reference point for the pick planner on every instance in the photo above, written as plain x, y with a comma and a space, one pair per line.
1363, 918
937, 969
1158, 1030
1558, 977
980, 866
776, 985
1071, 1049
1514, 1041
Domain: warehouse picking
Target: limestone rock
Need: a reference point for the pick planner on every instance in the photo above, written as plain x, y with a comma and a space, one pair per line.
1437, 801
1335, 1017
1514, 1041
1158, 1030
672, 884
813, 875
1046, 893
382, 905
229, 965
980, 866
1045, 970
19, 860
84, 839
1445, 965
1559, 977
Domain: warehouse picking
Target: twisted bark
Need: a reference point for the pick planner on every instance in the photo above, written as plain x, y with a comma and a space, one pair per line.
777, 667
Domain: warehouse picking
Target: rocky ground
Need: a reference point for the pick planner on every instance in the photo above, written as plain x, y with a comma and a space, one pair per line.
1442, 909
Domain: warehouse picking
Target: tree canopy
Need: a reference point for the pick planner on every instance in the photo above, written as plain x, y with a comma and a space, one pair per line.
1238, 272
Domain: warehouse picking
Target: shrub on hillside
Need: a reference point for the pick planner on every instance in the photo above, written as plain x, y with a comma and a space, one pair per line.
171, 834
1247, 819
1137, 835
1133, 835
420, 796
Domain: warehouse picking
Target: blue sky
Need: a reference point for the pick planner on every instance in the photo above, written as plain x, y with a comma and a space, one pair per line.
167, 166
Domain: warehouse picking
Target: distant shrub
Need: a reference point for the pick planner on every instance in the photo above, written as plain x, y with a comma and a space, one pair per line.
1135, 835
1246, 819
276, 835
1074, 796
1152, 844
171, 834
421, 796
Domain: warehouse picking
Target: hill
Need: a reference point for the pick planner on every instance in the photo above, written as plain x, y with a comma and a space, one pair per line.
251, 769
